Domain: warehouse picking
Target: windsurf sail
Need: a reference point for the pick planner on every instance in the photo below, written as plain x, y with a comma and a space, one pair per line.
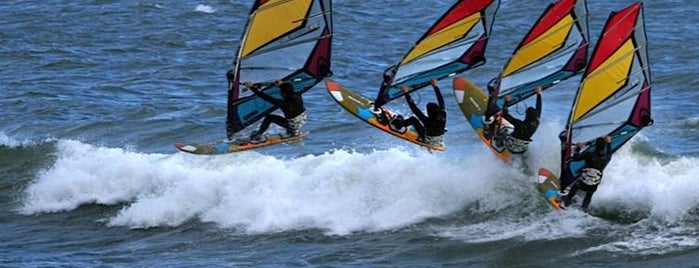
555, 49
283, 39
614, 96
455, 43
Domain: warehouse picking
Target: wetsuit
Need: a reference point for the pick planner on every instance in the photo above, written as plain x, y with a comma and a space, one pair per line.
382, 97
434, 124
523, 129
491, 110
291, 105
591, 174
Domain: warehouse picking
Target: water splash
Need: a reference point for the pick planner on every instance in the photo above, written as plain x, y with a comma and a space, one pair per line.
204, 9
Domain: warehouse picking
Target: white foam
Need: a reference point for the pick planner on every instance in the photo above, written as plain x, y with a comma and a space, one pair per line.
662, 240
10, 142
662, 191
339, 191
667, 188
205, 8
344, 191
13, 142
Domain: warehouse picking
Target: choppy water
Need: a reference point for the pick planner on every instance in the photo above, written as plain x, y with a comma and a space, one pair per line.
94, 93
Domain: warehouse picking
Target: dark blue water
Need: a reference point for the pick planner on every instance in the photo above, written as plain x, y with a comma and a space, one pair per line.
95, 93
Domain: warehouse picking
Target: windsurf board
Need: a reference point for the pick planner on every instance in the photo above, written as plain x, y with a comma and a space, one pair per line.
237, 145
362, 108
472, 101
549, 185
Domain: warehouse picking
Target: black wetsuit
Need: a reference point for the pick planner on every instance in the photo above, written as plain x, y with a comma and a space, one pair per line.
492, 107
291, 105
432, 125
592, 160
491, 110
524, 129
382, 97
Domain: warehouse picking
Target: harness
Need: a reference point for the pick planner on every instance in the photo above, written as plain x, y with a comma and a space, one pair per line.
591, 176
515, 145
504, 130
435, 140
488, 120
297, 122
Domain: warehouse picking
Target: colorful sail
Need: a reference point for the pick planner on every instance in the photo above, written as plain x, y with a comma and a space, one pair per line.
283, 39
555, 49
614, 96
455, 43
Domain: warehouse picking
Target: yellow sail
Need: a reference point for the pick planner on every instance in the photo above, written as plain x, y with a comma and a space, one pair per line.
272, 20
545, 44
605, 80
554, 49
442, 38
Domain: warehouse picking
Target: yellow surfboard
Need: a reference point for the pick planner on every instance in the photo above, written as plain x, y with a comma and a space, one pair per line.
362, 108
473, 101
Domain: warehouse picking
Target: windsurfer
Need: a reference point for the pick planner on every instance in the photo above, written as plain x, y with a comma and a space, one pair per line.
430, 128
591, 174
516, 134
291, 105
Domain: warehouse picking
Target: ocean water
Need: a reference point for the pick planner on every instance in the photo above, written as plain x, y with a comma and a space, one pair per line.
94, 94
